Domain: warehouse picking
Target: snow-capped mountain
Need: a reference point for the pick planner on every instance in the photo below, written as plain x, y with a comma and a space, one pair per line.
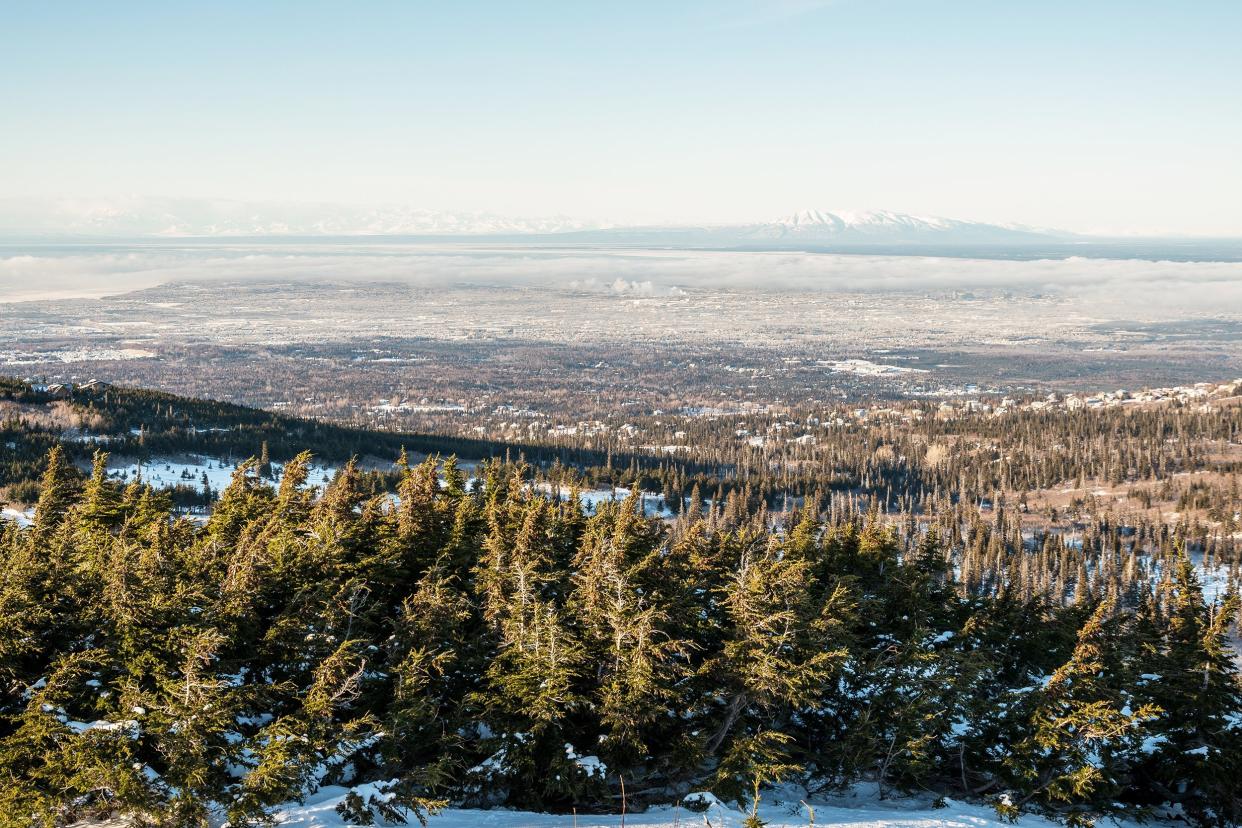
885, 227
821, 228
137, 216
141, 216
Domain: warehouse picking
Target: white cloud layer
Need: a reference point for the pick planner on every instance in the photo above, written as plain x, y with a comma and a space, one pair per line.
1137, 288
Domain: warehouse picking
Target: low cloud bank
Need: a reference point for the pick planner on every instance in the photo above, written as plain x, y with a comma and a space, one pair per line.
1142, 286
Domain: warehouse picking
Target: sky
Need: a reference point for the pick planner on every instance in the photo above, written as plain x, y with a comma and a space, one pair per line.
1092, 116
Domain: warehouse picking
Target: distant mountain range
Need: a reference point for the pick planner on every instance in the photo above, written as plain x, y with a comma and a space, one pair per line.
168, 217
152, 217
888, 227
815, 227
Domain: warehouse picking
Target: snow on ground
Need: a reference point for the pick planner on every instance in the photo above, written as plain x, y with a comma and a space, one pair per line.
319, 811
1215, 581
165, 473
1214, 578
189, 470
19, 517
653, 504
867, 368
73, 355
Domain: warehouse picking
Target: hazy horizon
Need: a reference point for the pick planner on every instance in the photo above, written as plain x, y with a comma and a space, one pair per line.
132, 216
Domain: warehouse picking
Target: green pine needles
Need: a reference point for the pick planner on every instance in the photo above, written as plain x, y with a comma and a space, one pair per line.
486, 644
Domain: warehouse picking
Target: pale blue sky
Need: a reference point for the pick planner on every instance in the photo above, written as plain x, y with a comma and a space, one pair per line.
1091, 115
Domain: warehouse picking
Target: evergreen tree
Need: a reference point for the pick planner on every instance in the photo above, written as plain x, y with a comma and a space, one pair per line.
1084, 734
56, 492
1195, 681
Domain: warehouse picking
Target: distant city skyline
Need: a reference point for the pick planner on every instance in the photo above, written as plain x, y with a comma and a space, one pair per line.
1104, 118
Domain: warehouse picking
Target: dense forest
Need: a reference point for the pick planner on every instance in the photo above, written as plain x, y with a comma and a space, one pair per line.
484, 644
142, 424
906, 456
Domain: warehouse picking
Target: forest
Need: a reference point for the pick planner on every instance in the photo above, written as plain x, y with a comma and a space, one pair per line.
480, 643
701, 414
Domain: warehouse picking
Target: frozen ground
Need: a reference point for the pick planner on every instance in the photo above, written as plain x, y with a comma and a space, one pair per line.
653, 504
863, 812
165, 472
319, 811
21, 518
867, 368
189, 470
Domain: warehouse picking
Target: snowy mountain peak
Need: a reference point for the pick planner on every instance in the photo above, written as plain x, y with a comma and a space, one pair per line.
884, 226
168, 217
860, 219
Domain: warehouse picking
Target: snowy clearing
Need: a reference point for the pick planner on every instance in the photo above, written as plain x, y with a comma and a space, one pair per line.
591, 499
192, 470
21, 518
867, 368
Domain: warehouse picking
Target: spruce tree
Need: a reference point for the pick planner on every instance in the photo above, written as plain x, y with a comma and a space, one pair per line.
1084, 732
